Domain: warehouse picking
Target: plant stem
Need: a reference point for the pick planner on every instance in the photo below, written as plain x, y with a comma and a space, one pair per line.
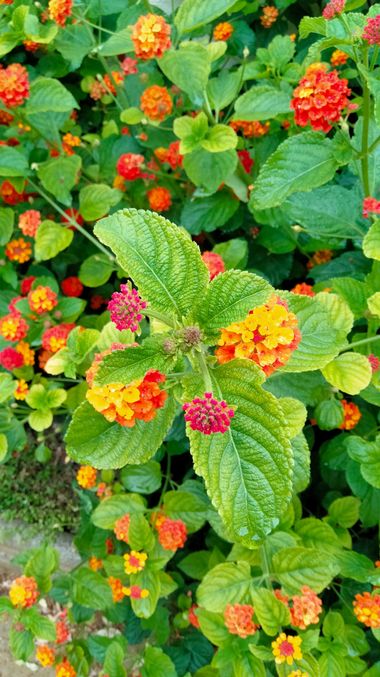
71, 221
362, 342
204, 371
365, 133
265, 565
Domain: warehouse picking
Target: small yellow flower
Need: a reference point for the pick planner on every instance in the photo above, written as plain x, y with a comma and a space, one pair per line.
134, 561
287, 649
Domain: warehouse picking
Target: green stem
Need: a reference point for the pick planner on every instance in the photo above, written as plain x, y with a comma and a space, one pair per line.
265, 565
161, 317
362, 342
374, 145
71, 221
366, 108
204, 371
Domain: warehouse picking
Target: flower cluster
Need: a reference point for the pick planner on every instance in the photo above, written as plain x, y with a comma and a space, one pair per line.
214, 263
306, 608
156, 103
13, 327
121, 528
338, 58
18, 250
116, 588
269, 16
135, 592
21, 390
238, 619
129, 166
72, 286
55, 338
208, 415
319, 257
287, 649
320, 98
42, 299
98, 358
304, 289
371, 31
60, 10
151, 36
374, 362
250, 129
86, 477
333, 8
29, 222
367, 609
45, 655
223, 31
10, 195
134, 562
11, 359
370, 206
127, 403
65, 669
159, 199
268, 336
62, 629
125, 308
172, 534
24, 592
14, 85
170, 155
352, 415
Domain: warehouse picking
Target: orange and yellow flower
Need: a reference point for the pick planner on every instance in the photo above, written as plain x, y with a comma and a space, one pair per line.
172, 534
151, 36
253, 129
86, 476
159, 199
287, 649
22, 389
24, 592
42, 299
322, 256
27, 353
306, 608
116, 588
45, 655
352, 415
95, 563
223, 31
269, 16
304, 289
338, 58
60, 10
14, 85
156, 103
55, 338
135, 592
134, 562
13, 327
267, 336
65, 669
320, 98
18, 250
121, 528
367, 609
238, 619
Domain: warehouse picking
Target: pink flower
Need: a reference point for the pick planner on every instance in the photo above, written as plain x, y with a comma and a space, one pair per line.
129, 65
125, 308
371, 31
374, 362
208, 415
370, 205
333, 8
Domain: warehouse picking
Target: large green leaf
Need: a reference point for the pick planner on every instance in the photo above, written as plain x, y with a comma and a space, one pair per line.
248, 469
124, 366
262, 102
350, 372
226, 583
300, 163
6, 225
195, 13
229, 298
272, 614
91, 589
188, 67
368, 455
51, 238
295, 567
320, 341
59, 175
208, 213
118, 43
371, 242
114, 507
160, 258
12, 162
48, 95
209, 170
91, 439
96, 200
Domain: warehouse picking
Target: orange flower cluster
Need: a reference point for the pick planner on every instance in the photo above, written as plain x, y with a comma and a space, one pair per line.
171, 155
135, 592
42, 299
14, 85
60, 10
18, 250
214, 263
62, 630
45, 655
13, 327
151, 36
253, 129
27, 353
267, 336
156, 103
238, 619
22, 389
65, 669
121, 528
10, 195
269, 16
95, 563
116, 588
287, 649
306, 608
352, 415
55, 338
24, 592
303, 289
110, 82
127, 403
172, 534
69, 141
338, 58
86, 476
134, 562
223, 31
29, 221
367, 609
159, 199
322, 256
320, 98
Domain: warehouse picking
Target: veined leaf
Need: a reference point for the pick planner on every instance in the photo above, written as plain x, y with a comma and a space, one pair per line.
371, 242
261, 102
12, 162
350, 372
295, 567
188, 67
124, 366
48, 95
160, 257
195, 13
51, 238
226, 583
91, 439
248, 469
270, 611
59, 176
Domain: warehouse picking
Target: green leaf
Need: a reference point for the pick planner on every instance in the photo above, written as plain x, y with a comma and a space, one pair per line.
354, 292
320, 339
187, 507
223, 89
40, 626
312, 25
118, 43
208, 213
140, 536
40, 420
295, 567
12, 162
157, 664
219, 138
59, 175
114, 507
195, 13
160, 257
374, 304
91, 439
317, 534
333, 624
262, 102
300, 163
144, 479
51, 239
213, 627
368, 455
191, 131
233, 252
96, 270
6, 225
209, 170
371, 242
350, 372
3, 447
248, 469
331, 665
345, 511
74, 43
188, 67
271, 613
295, 414
131, 116
114, 660
226, 583
151, 580
49, 95
95, 201
338, 309
329, 414
91, 589
301, 453
124, 366
229, 298
21, 644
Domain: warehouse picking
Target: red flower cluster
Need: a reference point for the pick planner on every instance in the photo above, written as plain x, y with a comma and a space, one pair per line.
159, 199
55, 338
214, 263
374, 362
371, 31
171, 155
9, 194
72, 286
14, 85
333, 8
125, 308
11, 359
129, 166
320, 98
172, 534
208, 415
370, 206
246, 160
